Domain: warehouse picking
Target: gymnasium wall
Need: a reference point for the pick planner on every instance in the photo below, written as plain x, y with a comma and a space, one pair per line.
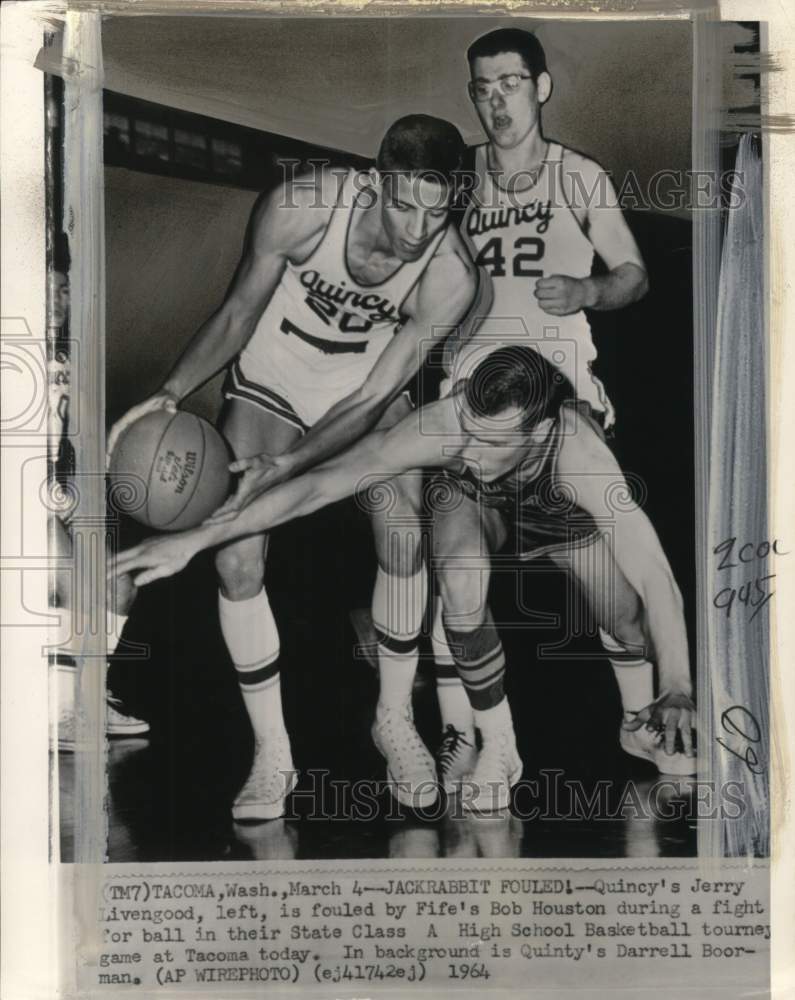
172, 247
622, 90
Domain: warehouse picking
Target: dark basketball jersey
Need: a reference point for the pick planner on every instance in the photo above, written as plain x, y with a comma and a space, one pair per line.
539, 511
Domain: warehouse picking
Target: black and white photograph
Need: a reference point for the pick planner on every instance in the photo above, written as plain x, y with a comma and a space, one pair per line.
400, 439
396, 558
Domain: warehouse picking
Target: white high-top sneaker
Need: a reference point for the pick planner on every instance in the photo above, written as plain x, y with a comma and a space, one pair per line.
410, 769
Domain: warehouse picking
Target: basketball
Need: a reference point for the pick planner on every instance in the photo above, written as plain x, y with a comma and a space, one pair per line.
170, 470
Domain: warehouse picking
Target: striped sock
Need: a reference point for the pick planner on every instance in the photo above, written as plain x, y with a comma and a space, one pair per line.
454, 706
252, 638
634, 675
398, 609
480, 661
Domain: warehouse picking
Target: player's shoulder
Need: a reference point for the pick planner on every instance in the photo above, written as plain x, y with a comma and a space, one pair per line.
584, 177
583, 447
322, 188
452, 265
439, 420
452, 253
575, 159
420, 432
296, 208
317, 190
586, 168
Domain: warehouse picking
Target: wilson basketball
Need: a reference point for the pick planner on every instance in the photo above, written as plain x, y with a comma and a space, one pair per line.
170, 470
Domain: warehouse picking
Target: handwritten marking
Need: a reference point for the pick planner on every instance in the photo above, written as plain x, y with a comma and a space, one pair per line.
740, 727
753, 593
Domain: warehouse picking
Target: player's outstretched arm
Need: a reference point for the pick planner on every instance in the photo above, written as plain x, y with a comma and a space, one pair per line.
277, 228
595, 474
377, 457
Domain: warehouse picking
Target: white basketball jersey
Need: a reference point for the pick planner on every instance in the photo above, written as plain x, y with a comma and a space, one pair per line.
517, 237
325, 318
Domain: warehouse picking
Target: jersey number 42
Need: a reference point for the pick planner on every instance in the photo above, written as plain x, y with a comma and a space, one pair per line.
527, 251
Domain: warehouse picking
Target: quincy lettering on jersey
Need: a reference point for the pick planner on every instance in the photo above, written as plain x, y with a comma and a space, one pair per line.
484, 220
352, 311
522, 233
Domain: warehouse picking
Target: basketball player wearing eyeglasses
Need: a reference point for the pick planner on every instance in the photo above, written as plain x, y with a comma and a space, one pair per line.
535, 216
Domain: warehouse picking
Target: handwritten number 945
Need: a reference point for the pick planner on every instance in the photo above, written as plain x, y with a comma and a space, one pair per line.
753, 594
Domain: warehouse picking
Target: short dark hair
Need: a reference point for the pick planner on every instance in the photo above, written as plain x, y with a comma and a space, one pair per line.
422, 145
524, 43
519, 376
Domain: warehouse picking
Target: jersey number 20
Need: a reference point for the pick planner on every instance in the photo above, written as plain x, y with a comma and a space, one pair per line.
346, 321
528, 250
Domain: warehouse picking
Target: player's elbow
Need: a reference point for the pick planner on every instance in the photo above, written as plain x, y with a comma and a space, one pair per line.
675, 592
662, 588
640, 278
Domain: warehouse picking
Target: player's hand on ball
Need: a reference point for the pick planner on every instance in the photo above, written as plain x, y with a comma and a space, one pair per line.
157, 557
672, 712
561, 295
160, 401
260, 474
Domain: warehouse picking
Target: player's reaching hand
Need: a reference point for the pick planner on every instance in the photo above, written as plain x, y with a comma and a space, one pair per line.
561, 295
260, 474
160, 401
671, 712
158, 557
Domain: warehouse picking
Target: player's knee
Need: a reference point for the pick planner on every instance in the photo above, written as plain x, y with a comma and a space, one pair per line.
402, 557
241, 572
398, 536
463, 594
408, 493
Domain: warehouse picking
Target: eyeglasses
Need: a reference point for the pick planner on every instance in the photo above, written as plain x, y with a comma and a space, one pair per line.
480, 90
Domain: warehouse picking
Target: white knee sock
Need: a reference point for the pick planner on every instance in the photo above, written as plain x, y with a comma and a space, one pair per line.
398, 610
454, 705
250, 632
635, 677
